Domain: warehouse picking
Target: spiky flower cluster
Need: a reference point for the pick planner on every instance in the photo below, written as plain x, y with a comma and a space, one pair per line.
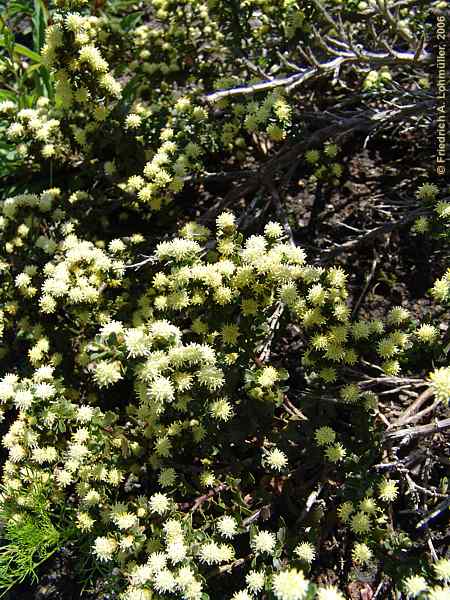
78, 274
441, 288
36, 132
176, 157
440, 383
83, 78
200, 318
87, 59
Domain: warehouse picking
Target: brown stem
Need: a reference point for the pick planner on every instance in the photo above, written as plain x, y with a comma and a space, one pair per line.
413, 408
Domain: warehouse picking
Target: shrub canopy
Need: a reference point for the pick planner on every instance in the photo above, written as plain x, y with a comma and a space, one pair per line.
223, 300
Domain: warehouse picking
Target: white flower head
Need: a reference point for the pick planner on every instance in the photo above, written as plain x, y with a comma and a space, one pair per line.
159, 503
227, 526
176, 551
255, 581
264, 542
164, 581
415, 585
330, 592
104, 548
275, 459
290, 585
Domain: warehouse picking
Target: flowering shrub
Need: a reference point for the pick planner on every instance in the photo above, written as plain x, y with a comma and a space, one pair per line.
203, 396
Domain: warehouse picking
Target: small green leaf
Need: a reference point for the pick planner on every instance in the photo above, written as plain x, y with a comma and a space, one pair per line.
7, 95
40, 18
23, 50
131, 20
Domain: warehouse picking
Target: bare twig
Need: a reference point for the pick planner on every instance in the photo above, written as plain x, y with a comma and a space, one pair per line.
193, 506
293, 410
229, 567
310, 501
413, 408
373, 234
264, 350
423, 413
263, 512
366, 287
440, 508
413, 485
434, 555
339, 126
281, 213
259, 87
390, 57
221, 176
391, 380
147, 260
421, 430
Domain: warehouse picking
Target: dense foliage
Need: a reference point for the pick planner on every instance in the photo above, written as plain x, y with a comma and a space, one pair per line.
224, 299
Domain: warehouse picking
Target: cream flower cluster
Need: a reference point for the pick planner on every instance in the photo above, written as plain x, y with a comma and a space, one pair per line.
84, 82
54, 264
78, 274
176, 156
201, 311
247, 276
440, 383
436, 220
36, 132
441, 289
23, 220
171, 376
